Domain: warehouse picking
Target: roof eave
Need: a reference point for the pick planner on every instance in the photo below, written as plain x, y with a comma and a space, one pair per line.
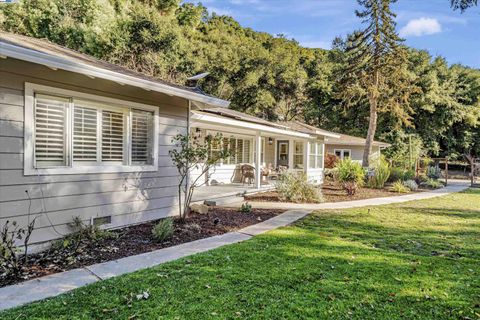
328, 134
21, 53
199, 117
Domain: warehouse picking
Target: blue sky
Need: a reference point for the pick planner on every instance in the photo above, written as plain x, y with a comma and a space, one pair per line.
425, 24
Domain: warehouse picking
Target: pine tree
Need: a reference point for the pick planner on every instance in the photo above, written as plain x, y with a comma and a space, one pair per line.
375, 72
463, 5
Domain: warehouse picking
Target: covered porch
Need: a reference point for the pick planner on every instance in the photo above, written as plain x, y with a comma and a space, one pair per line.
280, 148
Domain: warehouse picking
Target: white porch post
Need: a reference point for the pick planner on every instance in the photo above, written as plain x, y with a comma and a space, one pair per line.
307, 157
258, 152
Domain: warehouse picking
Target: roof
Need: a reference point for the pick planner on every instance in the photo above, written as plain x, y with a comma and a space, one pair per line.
43, 52
332, 137
345, 139
294, 126
303, 127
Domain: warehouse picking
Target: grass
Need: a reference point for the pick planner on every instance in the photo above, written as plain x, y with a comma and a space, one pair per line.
416, 260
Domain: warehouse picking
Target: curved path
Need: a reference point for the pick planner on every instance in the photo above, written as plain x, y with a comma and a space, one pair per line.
454, 186
56, 284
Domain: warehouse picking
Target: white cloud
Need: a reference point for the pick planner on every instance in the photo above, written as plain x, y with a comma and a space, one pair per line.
420, 27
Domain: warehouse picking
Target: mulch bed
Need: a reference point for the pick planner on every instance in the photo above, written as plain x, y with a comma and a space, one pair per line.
138, 239
332, 192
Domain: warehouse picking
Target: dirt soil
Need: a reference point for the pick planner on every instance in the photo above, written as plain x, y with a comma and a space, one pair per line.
332, 192
135, 240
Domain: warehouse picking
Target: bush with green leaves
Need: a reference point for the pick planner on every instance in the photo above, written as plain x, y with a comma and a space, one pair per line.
381, 172
397, 173
399, 187
433, 172
350, 174
295, 187
246, 207
331, 174
163, 229
411, 184
432, 184
83, 235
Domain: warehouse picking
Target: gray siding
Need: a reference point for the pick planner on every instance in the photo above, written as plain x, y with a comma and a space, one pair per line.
56, 199
357, 151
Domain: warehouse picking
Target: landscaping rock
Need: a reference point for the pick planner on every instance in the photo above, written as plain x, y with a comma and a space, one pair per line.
199, 208
210, 203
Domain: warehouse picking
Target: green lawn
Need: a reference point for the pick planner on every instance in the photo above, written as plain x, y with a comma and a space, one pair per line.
416, 260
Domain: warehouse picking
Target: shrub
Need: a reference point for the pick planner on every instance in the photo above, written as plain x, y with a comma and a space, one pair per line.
294, 187
399, 187
330, 160
350, 174
432, 184
433, 172
409, 175
331, 174
397, 173
163, 229
82, 234
380, 174
411, 184
246, 207
11, 264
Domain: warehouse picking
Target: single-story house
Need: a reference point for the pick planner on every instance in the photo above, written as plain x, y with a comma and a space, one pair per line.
291, 145
82, 137
352, 147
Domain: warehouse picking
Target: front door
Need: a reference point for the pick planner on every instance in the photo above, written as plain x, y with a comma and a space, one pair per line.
282, 154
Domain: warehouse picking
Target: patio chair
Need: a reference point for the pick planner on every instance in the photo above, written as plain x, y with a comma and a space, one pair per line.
248, 173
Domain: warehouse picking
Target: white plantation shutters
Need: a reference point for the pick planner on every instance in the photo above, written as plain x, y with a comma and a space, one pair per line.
246, 151
87, 134
85, 124
112, 135
142, 136
50, 131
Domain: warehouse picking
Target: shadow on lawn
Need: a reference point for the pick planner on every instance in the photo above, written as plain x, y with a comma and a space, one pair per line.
423, 241
450, 212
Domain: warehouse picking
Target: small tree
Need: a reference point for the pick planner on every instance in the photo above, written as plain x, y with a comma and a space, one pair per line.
193, 154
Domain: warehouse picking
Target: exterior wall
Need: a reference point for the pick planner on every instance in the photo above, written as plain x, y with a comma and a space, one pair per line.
269, 152
357, 151
56, 199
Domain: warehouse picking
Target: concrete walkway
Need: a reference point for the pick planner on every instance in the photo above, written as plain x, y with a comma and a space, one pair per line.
454, 186
56, 284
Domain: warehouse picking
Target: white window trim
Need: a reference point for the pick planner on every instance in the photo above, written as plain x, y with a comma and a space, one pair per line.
299, 154
342, 152
317, 151
229, 135
29, 134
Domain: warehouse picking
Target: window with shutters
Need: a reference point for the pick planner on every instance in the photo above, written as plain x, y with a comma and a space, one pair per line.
69, 132
239, 148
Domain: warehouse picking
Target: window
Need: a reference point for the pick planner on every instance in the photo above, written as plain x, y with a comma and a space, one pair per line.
239, 150
343, 153
312, 155
319, 155
80, 133
315, 156
298, 155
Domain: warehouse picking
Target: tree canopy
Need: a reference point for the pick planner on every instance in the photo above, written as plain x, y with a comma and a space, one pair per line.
264, 75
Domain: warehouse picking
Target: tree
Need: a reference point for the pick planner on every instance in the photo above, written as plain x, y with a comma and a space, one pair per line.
194, 154
374, 69
462, 5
